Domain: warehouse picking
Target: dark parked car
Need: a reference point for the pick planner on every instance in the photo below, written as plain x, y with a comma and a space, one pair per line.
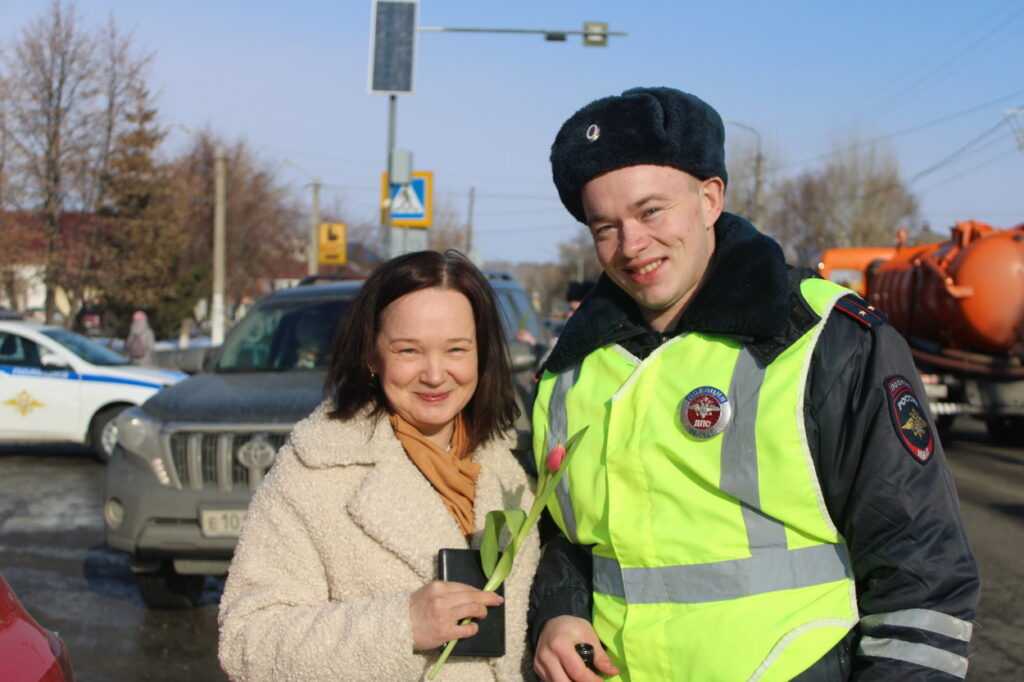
189, 459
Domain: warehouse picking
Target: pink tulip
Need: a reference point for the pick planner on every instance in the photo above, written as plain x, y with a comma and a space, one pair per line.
555, 457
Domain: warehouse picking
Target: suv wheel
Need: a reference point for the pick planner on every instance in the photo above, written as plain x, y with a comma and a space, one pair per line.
103, 432
166, 589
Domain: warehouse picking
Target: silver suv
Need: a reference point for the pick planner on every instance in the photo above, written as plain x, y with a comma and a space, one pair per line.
188, 460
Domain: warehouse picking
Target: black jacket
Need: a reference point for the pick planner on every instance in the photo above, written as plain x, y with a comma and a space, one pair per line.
898, 514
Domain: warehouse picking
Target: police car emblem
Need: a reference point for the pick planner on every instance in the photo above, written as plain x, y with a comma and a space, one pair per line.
705, 412
908, 419
593, 132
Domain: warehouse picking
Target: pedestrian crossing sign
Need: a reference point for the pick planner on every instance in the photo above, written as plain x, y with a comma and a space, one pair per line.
411, 204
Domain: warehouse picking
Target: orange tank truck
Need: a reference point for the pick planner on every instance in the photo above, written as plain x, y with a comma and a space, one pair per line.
960, 305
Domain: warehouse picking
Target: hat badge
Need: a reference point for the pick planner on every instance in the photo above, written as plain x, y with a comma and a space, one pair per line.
593, 132
705, 412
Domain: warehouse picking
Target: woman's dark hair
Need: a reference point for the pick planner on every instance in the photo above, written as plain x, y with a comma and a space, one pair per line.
352, 387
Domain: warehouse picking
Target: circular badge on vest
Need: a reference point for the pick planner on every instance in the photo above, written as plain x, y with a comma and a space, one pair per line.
706, 411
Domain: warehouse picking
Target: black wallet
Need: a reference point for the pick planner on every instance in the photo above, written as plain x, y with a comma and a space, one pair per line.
464, 566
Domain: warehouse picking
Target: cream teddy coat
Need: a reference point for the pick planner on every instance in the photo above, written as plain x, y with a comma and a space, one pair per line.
341, 532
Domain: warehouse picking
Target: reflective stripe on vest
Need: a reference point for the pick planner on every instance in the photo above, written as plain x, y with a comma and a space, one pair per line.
767, 570
558, 434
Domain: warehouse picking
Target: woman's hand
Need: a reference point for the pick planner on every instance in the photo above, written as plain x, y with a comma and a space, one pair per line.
436, 609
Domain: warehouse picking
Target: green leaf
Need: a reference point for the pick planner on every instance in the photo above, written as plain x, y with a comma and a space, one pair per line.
496, 521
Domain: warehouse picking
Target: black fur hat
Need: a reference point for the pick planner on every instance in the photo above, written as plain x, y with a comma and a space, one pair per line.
657, 126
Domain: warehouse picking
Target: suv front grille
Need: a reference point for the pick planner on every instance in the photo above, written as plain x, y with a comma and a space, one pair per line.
210, 460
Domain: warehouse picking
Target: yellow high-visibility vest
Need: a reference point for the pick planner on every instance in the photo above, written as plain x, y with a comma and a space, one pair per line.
714, 556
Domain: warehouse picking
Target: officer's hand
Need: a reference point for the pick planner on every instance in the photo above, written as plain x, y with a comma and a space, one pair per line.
556, 659
436, 609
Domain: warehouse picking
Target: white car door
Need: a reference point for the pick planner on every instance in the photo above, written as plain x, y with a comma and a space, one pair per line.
37, 401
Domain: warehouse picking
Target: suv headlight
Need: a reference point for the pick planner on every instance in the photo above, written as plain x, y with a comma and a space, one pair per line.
139, 435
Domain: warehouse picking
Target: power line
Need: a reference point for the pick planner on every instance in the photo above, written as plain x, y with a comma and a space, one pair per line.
907, 131
561, 226
1000, 25
983, 164
950, 158
525, 211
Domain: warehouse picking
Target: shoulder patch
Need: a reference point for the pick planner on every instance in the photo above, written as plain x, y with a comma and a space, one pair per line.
909, 419
857, 308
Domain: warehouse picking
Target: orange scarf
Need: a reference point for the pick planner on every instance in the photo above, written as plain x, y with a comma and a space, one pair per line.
453, 474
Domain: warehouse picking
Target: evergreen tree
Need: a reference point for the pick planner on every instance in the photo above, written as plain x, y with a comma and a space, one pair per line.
142, 254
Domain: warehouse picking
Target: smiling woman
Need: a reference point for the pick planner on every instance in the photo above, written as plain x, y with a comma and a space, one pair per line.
407, 455
426, 360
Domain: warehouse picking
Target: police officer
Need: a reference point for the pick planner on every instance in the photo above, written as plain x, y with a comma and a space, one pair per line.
760, 492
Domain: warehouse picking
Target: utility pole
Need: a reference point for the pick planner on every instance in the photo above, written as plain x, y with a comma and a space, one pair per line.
219, 220
314, 231
1016, 118
758, 183
3, 154
755, 211
469, 221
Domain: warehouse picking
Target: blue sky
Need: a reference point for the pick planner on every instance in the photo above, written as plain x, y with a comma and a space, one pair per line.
291, 78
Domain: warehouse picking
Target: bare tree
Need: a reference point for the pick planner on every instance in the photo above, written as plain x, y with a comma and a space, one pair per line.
264, 223
120, 76
50, 93
448, 230
577, 258
857, 199
3, 146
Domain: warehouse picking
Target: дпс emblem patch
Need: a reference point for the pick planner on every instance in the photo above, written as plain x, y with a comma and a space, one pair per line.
705, 412
908, 418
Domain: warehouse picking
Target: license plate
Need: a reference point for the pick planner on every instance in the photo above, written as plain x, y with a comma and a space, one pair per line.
221, 523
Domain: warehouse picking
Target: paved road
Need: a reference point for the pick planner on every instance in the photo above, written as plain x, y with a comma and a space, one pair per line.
990, 481
52, 553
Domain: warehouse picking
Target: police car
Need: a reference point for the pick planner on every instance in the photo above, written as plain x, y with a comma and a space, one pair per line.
56, 385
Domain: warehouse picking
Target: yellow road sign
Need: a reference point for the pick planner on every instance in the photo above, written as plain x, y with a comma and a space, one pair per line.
333, 244
411, 205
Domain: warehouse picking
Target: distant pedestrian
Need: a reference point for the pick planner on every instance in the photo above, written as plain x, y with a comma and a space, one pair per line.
140, 341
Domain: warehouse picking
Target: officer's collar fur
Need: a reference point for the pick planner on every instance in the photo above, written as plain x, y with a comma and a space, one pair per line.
745, 295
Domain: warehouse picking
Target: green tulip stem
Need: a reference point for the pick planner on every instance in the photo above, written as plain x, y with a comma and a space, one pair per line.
504, 566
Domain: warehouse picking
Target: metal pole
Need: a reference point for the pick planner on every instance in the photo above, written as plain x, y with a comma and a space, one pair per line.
469, 221
758, 183
389, 242
755, 212
314, 232
219, 220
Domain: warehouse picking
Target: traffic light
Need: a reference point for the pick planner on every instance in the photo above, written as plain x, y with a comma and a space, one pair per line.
595, 33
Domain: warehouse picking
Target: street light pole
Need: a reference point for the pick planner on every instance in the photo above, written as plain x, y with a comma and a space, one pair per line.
390, 239
219, 223
755, 213
313, 260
